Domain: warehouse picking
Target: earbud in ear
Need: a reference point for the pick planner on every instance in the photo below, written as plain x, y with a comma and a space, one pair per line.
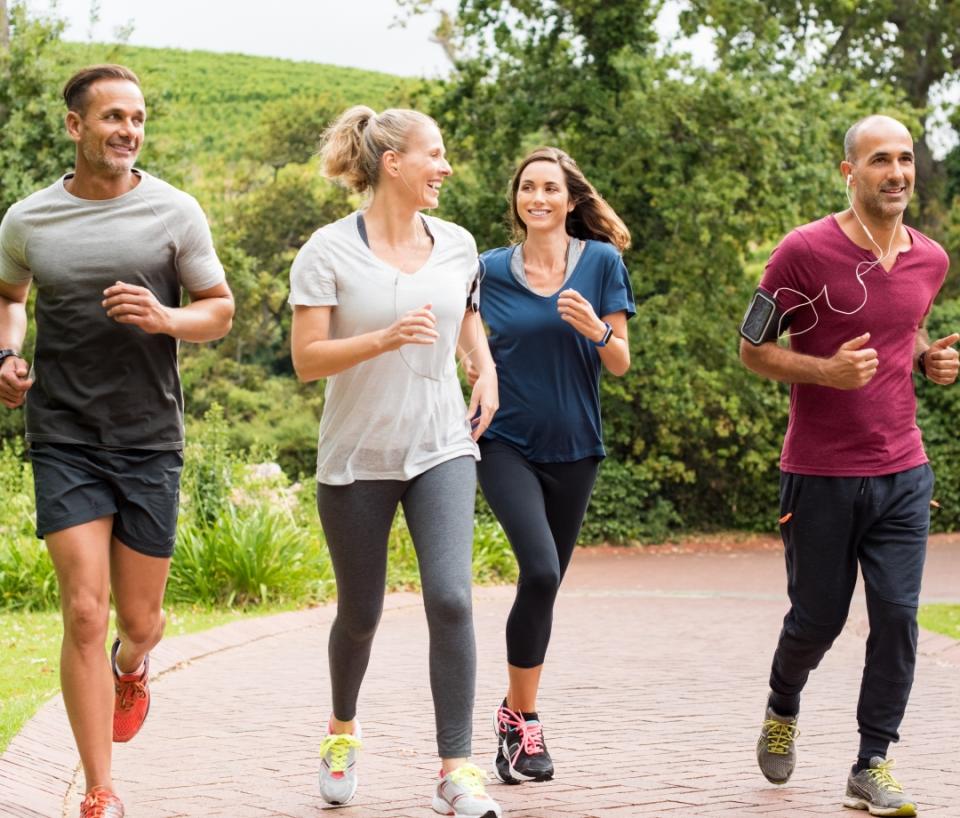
849, 179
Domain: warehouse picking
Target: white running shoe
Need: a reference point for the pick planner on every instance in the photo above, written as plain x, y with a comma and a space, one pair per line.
338, 766
461, 792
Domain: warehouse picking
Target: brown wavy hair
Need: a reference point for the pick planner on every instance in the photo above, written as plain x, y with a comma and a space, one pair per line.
591, 217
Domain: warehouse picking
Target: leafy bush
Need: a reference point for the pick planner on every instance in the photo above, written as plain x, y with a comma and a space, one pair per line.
27, 578
937, 410
627, 506
248, 557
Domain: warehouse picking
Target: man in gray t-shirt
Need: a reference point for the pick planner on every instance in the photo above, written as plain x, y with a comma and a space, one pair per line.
109, 249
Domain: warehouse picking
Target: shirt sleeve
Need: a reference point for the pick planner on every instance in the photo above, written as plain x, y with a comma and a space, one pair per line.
14, 268
313, 282
198, 266
783, 277
617, 292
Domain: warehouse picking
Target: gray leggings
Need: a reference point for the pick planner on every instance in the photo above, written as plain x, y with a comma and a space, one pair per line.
356, 520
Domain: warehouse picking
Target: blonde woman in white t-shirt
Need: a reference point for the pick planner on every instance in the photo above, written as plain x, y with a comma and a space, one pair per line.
381, 300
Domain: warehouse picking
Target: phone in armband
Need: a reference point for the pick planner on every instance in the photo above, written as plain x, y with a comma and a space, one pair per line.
761, 320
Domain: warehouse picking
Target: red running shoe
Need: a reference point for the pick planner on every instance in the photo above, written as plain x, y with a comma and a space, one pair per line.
132, 701
101, 803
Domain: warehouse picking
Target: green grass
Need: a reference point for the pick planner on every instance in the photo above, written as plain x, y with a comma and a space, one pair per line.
943, 619
30, 656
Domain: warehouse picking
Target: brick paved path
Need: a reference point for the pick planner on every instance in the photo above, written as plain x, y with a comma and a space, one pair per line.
652, 699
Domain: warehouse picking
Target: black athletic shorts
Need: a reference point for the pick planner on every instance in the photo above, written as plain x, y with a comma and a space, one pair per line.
75, 484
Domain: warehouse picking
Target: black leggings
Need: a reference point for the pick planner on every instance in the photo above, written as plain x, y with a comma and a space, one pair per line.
541, 508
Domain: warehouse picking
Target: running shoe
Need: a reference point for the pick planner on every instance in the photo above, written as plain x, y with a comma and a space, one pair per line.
521, 750
461, 792
101, 803
338, 766
876, 790
132, 698
776, 747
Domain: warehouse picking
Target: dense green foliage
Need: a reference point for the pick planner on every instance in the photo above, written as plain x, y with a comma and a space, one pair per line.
912, 47
709, 168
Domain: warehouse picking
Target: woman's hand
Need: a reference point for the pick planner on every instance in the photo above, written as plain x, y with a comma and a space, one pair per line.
414, 327
484, 402
578, 313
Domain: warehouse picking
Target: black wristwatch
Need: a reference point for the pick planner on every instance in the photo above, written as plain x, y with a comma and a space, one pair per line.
8, 353
922, 363
606, 336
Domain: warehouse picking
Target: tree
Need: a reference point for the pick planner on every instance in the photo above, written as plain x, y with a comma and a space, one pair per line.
289, 130
34, 148
4, 26
910, 45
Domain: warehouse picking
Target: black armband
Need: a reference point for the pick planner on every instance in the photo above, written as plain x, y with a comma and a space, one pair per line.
763, 321
473, 297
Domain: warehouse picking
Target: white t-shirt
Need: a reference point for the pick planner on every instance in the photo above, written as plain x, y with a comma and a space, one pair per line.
402, 412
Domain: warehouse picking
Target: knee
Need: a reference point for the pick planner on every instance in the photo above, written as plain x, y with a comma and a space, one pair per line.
85, 620
358, 624
145, 628
893, 616
813, 632
451, 606
543, 582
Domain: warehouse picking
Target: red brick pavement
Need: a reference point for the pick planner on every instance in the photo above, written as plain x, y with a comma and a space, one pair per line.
652, 699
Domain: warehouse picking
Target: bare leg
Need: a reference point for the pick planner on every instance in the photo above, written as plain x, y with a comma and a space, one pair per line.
138, 582
81, 557
524, 684
339, 728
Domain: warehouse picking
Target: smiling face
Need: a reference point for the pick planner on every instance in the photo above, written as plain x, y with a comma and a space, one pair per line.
109, 132
542, 199
422, 166
882, 171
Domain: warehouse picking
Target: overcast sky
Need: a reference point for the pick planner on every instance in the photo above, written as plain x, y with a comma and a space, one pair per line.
355, 33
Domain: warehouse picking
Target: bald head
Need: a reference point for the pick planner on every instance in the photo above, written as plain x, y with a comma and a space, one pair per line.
874, 125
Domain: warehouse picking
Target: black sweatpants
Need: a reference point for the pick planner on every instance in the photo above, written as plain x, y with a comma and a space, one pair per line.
541, 508
834, 524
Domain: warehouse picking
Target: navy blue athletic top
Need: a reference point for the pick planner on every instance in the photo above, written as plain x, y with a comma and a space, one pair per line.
549, 373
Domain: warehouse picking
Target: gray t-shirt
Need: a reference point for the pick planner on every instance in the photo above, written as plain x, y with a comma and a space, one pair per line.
98, 382
398, 414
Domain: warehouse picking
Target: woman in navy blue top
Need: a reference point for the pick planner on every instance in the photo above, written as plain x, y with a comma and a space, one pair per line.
556, 304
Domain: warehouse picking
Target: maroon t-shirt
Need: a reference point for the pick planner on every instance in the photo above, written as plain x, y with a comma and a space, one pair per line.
872, 430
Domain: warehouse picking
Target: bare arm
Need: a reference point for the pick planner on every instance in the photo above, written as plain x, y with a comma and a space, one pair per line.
207, 317
616, 354
850, 367
579, 313
14, 382
316, 355
474, 351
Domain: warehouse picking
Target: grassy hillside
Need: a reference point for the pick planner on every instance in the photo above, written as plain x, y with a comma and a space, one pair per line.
205, 106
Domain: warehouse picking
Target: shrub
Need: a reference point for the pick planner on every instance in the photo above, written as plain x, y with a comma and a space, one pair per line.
248, 557
937, 408
627, 506
27, 578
